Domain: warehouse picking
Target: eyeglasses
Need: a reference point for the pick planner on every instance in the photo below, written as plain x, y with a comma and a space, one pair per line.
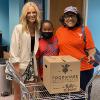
69, 15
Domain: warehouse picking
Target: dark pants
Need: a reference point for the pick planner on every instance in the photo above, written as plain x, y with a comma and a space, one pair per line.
85, 77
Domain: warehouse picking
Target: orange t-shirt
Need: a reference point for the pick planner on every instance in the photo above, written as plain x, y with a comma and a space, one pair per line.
71, 42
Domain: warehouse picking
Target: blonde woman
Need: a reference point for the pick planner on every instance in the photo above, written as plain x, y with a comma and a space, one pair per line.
24, 42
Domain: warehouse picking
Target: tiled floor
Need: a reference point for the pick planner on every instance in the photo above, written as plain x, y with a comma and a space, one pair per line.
7, 97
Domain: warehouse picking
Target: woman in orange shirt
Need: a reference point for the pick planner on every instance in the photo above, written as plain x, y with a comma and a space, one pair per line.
71, 42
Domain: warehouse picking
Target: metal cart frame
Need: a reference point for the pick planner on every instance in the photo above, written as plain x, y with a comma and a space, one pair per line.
91, 81
39, 92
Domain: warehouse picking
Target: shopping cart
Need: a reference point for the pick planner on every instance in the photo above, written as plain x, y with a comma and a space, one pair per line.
37, 91
95, 83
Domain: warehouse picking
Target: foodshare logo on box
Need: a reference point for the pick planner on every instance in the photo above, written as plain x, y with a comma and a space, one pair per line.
65, 75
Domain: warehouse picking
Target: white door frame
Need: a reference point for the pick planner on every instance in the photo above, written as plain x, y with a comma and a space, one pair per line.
85, 12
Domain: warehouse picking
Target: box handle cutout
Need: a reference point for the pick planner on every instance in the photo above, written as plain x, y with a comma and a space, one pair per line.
46, 66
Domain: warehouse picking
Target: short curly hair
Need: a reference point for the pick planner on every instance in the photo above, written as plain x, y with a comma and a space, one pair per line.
45, 21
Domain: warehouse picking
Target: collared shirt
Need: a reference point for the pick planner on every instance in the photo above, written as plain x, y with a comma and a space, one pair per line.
46, 48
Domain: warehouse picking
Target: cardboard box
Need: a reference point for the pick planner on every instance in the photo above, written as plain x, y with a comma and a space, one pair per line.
61, 74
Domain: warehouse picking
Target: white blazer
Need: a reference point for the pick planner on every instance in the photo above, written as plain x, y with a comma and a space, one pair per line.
20, 48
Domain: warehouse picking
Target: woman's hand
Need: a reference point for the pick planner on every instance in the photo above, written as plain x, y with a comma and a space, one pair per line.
91, 54
91, 58
16, 66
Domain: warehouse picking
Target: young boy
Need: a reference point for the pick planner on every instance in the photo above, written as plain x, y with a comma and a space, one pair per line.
48, 44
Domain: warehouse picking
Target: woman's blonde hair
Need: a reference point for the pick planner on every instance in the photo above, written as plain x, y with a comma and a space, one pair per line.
23, 19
